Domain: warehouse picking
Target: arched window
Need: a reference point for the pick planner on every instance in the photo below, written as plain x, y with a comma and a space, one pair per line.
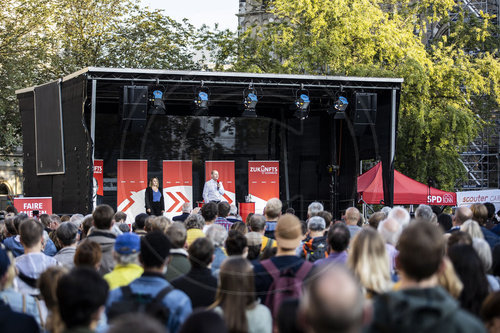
4, 189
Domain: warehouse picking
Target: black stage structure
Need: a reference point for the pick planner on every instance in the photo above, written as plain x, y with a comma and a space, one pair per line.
110, 114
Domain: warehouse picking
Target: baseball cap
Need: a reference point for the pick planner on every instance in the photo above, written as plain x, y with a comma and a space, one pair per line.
254, 238
316, 223
288, 231
128, 243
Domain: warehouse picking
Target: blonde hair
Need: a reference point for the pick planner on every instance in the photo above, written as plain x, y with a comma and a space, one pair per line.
472, 228
151, 181
160, 223
369, 261
273, 208
449, 280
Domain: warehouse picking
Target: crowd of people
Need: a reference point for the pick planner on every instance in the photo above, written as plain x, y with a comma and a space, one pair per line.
210, 271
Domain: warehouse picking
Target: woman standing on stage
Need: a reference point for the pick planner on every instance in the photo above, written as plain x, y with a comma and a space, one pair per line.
154, 198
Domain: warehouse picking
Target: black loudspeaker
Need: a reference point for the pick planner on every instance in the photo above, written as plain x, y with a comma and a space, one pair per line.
135, 108
365, 111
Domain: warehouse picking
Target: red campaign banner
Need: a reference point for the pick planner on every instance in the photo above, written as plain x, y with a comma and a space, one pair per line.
263, 182
177, 186
98, 176
226, 176
132, 180
28, 204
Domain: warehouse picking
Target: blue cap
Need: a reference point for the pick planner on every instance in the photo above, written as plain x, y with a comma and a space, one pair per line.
128, 243
4, 261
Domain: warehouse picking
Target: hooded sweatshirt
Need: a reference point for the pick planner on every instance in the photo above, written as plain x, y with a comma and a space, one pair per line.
421, 310
107, 240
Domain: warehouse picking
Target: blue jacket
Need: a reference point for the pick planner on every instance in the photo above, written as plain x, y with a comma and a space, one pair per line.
177, 301
13, 244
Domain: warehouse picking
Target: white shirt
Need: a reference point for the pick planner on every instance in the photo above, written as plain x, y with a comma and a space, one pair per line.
211, 193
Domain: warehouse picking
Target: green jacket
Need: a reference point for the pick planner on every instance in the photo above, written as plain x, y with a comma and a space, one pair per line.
179, 264
421, 310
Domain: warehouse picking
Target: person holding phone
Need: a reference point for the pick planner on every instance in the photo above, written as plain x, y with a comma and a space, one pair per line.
213, 190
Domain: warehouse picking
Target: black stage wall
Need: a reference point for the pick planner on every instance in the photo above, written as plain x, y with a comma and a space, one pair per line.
307, 149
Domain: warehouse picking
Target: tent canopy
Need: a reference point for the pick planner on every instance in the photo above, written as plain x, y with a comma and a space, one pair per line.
406, 190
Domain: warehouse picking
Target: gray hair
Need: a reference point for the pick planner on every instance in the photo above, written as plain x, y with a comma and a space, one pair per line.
390, 230
472, 228
217, 234
233, 210
314, 208
386, 210
483, 250
67, 233
424, 212
194, 221
76, 219
126, 259
401, 215
187, 207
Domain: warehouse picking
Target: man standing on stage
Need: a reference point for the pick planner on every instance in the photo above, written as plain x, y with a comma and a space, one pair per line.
213, 190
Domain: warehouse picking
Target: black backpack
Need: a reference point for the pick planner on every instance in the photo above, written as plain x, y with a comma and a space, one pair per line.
315, 249
142, 303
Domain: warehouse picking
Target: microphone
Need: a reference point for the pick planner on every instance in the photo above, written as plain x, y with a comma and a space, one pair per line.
218, 185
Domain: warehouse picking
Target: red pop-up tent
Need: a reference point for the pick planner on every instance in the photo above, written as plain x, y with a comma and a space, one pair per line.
406, 190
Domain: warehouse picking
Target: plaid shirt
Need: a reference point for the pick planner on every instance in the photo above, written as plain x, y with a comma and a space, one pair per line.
223, 222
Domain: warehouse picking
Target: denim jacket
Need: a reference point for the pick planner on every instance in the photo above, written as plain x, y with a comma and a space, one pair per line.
177, 301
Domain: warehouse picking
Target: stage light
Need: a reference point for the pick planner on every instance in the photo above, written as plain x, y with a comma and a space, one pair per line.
157, 106
302, 106
201, 100
341, 104
249, 104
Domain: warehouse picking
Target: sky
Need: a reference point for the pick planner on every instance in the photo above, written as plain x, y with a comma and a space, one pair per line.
199, 12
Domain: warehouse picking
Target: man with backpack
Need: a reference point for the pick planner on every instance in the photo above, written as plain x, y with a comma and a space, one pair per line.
151, 293
282, 276
315, 246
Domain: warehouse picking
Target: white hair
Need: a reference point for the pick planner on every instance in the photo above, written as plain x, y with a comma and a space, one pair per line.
388, 235
233, 210
314, 208
386, 210
217, 234
401, 215
76, 219
424, 212
483, 250
472, 228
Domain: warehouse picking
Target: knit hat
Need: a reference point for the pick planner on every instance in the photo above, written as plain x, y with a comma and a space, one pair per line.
128, 243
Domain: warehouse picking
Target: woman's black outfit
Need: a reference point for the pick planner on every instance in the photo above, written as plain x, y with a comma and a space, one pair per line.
156, 207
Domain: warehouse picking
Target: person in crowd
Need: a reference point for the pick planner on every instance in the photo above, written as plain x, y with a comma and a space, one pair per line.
375, 219
459, 237
81, 294
449, 280
139, 322
155, 248
327, 216
203, 321
198, 283
213, 190
88, 254
424, 213
153, 198
187, 207
254, 243
469, 268
472, 228
426, 306
157, 223
352, 215
249, 216
314, 208
76, 219
65, 218
490, 313
369, 261
480, 215
140, 224
126, 254
33, 262
119, 219
102, 234
179, 263
236, 244
333, 302
401, 215
235, 299
85, 227
491, 221
257, 223
338, 240
48, 288
288, 236
13, 299
461, 215
315, 247
13, 243
218, 235
209, 213
194, 225
240, 227
290, 210
287, 319
54, 224
124, 228
67, 234
233, 216
390, 231
445, 221
483, 250
11, 321
272, 212
222, 213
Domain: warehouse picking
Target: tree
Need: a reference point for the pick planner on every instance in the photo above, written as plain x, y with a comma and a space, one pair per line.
388, 39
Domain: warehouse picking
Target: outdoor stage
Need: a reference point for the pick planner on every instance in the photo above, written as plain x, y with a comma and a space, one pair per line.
111, 114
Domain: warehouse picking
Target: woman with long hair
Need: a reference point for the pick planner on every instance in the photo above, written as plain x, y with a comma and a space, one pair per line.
369, 261
235, 299
153, 198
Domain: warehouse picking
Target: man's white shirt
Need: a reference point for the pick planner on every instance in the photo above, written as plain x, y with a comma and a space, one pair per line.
211, 193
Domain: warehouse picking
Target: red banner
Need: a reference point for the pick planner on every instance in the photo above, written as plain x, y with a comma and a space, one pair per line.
98, 167
263, 182
27, 205
226, 177
132, 180
177, 186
